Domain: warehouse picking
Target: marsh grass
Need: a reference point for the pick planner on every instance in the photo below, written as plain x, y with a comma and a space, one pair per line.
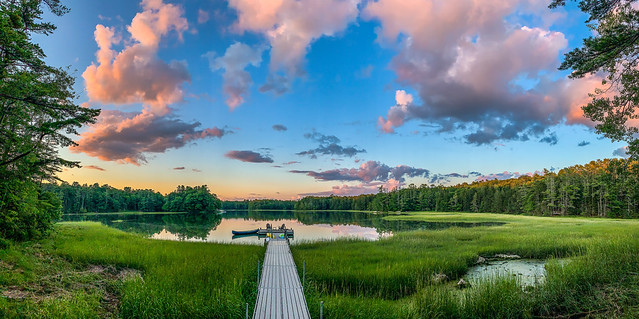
36, 283
178, 279
389, 278
352, 277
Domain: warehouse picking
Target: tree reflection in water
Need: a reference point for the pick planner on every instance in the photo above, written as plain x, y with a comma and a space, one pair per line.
198, 226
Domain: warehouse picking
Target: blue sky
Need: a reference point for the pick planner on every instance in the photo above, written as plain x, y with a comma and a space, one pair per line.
279, 99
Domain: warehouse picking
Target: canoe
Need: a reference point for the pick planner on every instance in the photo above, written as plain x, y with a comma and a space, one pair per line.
244, 232
245, 236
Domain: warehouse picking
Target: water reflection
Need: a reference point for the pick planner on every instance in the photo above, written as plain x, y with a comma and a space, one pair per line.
191, 226
308, 226
528, 272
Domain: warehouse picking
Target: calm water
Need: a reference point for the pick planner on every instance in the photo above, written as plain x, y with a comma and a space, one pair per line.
528, 272
308, 226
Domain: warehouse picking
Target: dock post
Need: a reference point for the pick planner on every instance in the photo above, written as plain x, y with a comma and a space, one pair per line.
322, 309
304, 275
247, 310
257, 287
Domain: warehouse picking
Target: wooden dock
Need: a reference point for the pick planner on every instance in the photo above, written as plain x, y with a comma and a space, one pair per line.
280, 293
275, 231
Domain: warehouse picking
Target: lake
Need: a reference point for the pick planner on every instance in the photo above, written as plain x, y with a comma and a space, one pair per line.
308, 226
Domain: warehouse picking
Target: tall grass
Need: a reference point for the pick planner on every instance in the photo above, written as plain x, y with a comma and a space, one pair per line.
398, 272
180, 279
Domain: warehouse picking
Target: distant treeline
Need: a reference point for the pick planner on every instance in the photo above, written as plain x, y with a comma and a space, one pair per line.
606, 188
97, 198
258, 204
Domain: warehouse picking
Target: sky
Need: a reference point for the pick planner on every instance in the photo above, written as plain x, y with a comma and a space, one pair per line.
290, 98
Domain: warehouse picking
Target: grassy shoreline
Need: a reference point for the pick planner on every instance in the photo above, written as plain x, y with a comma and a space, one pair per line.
358, 279
87, 270
177, 279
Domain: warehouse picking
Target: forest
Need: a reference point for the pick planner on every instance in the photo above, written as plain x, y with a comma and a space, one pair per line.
602, 188
259, 204
97, 198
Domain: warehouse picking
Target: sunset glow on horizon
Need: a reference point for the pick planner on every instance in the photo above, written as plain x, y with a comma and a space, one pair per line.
288, 98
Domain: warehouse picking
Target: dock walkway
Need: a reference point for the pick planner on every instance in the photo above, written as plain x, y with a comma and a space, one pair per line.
280, 293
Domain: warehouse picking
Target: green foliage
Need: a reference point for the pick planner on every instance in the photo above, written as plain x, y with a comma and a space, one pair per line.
97, 198
613, 50
37, 109
191, 199
37, 116
38, 284
78, 198
87, 270
181, 279
361, 202
361, 279
604, 188
26, 211
259, 204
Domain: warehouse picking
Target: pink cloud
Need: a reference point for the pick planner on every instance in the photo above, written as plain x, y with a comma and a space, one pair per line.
97, 168
130, 137
396, 114
367, 172
290, 27
467, 62
136, 74
202, 16
155, 21
355, 190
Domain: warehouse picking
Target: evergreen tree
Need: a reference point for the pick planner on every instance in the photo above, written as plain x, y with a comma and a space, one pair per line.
614, 50
37, 115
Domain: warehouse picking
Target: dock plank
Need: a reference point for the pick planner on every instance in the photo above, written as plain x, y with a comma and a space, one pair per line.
280, 294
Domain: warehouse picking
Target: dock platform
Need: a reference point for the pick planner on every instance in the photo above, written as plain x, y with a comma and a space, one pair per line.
280, 293
275, 231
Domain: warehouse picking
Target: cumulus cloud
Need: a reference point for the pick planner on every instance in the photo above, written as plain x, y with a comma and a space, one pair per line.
249, 156
136, 74
367, 172
583, 143
621, 152
290, 26
279, 127
476, 69
329, 145
237, 81
97, 168
446, 178
505, 175
130, 136
355, 190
